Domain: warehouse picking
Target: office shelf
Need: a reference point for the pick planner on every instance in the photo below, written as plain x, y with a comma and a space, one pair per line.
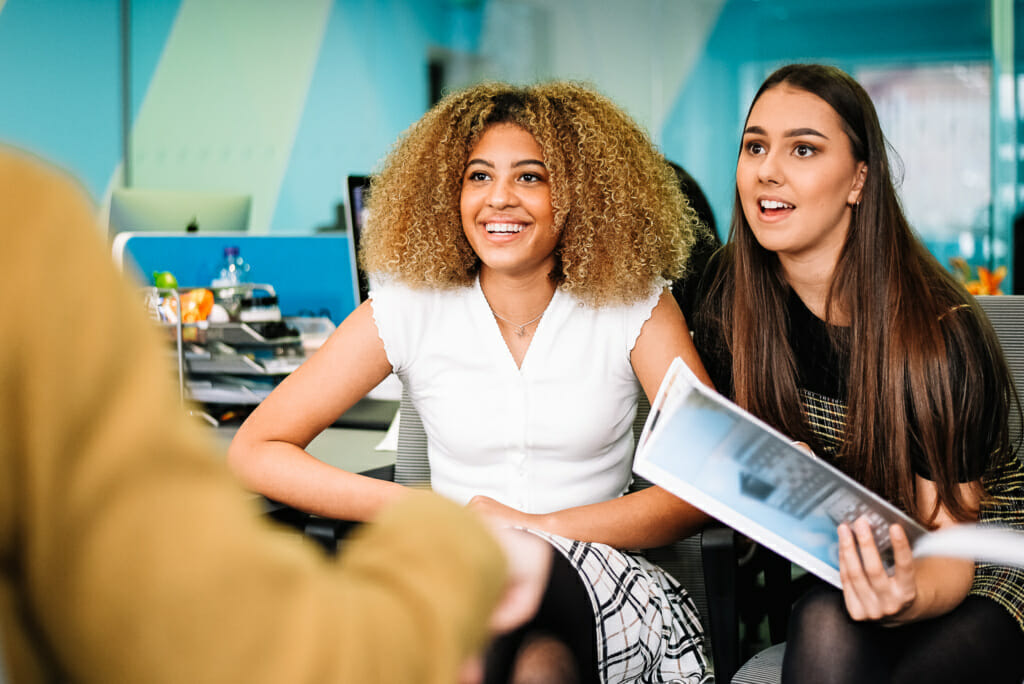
224, 364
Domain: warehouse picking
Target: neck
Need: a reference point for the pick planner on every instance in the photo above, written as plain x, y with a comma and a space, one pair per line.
516, 299
811, 279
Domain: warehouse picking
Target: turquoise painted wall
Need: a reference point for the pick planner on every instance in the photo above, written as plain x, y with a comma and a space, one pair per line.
311, 120
59, 84
367, 82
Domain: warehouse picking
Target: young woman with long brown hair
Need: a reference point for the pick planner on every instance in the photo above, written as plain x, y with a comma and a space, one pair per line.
825, 316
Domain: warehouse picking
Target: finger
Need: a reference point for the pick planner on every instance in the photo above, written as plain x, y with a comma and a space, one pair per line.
861, 600
902, 552
904, 584
847, 565
804, 445
472, 671
871, 559
853, 603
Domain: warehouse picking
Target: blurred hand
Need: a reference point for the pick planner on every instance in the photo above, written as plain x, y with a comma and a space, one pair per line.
472, 671
529, 565
868, 590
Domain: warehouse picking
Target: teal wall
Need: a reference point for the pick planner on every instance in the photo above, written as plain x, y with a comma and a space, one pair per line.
283, 100
328, 116
60, 85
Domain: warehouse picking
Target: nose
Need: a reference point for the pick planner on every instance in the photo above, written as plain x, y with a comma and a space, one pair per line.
769, 170
501, 194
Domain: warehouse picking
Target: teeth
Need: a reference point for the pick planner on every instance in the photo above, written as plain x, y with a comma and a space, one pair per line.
504, 227
774, 204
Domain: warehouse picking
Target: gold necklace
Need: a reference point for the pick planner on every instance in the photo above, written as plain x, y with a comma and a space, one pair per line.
520, 329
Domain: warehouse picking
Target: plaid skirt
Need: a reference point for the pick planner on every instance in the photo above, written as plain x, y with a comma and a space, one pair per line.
648, 628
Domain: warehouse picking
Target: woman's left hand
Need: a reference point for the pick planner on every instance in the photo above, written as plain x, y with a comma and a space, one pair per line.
869, 591
500, 514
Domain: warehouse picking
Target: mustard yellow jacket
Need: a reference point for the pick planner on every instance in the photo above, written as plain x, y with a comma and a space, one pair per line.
127, 551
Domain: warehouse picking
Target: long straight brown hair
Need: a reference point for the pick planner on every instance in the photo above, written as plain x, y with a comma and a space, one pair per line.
926, 373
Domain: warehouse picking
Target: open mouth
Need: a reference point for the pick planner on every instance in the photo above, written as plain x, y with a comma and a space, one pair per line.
501, 228
772, 207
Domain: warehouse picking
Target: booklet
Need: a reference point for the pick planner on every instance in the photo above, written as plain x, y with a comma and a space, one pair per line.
738, 469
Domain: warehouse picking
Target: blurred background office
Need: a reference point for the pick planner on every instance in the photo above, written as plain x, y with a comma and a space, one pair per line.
282, 101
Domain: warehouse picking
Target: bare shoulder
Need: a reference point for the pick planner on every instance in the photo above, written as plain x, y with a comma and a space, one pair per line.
664, 337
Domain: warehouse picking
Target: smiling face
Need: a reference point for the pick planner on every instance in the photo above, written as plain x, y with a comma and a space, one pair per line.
797, 177
506, 203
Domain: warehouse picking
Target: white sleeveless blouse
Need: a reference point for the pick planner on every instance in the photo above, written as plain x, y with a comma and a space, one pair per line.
553, 434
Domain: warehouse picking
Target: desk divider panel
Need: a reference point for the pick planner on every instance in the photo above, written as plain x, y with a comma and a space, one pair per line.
310, 274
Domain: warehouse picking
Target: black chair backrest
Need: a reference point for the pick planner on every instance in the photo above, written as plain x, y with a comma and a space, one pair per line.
1006, 312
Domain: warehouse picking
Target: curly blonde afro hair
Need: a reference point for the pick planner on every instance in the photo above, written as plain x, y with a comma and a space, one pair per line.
622, 218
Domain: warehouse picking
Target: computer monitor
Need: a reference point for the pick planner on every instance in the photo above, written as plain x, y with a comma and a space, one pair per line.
358, 190
170, 211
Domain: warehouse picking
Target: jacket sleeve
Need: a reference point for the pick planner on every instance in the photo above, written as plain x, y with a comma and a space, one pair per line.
130, 552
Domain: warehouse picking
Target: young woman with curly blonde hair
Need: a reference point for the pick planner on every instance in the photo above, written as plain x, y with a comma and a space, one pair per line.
520, 244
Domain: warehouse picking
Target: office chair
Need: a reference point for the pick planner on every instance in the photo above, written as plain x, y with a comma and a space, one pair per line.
1006, 313
704, 563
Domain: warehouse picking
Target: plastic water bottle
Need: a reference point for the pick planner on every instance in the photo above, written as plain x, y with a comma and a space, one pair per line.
233, 269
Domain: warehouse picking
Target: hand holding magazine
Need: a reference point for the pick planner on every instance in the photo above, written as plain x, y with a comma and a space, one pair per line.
710, 452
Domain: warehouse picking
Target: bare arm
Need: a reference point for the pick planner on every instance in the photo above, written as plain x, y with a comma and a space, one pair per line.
644, 519
268, 451
920, 588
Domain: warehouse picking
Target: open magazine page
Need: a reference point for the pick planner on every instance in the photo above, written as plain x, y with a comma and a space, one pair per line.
984, 543
668, 395
708, 451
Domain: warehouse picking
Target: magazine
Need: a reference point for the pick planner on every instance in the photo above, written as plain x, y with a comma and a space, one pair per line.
710, 452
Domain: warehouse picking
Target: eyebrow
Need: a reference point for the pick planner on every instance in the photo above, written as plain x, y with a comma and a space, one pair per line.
791, 133
522, 162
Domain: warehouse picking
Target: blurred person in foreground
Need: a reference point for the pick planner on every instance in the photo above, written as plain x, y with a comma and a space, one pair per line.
127, 551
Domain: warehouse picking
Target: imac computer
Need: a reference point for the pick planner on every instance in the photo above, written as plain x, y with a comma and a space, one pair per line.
390, 389
169, 211
358, 190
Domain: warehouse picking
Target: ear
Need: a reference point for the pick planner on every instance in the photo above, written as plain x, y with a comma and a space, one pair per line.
858, 184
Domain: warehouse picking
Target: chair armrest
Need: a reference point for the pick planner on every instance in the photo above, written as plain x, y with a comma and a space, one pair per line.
329, 532
718, 554
325, 531
385, 472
